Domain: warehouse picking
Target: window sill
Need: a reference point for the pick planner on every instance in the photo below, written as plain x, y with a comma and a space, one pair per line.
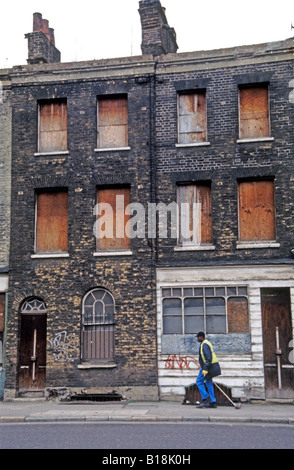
51, 154
113, 253
261, 139
49, 255
114, 149
195, 248
196, 144
88, 365
256, 245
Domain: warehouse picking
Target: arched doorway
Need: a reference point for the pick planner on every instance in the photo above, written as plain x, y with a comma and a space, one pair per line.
32, 355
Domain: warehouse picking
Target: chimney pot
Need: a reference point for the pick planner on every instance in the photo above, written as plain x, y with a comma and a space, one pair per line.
52, 36
45, 27
37, 22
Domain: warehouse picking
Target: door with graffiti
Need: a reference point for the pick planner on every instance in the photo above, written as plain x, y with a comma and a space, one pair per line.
32, 357
277, 341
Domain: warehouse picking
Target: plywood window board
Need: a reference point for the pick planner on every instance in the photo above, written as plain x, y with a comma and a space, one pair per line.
52, 222
257, 211
52, 126
195, 214
112, 121
192, 119
112, 233
254, 112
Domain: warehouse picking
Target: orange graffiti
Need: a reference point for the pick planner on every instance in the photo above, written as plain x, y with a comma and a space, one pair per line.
183, 362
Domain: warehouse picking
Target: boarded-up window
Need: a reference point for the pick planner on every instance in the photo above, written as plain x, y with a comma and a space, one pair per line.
256, 211
192, 117
53, 126
112, 122
112, 230
98, 326
254, 112
195, 216
238, 318
2, 322
52, 222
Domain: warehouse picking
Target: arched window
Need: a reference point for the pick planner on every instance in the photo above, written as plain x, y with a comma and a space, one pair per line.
33, 306
98, 326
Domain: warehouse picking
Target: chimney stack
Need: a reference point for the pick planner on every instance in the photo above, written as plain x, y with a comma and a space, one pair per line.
157, 36
41, 42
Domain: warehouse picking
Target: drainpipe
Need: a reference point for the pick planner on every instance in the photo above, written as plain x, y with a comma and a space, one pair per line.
153, 185
153, 156
2, 373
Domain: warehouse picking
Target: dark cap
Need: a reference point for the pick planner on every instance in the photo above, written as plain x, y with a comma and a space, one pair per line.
201, 334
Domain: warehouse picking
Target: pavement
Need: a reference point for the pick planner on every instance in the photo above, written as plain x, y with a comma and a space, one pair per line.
37, 411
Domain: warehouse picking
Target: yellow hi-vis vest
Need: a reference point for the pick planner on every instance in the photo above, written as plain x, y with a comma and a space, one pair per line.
214, 358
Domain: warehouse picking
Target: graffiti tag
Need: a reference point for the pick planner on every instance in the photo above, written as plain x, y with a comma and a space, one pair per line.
182, 362
65, 346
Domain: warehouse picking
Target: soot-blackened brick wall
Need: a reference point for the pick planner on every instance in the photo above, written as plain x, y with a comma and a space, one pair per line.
62, 283
224, 162
152, 168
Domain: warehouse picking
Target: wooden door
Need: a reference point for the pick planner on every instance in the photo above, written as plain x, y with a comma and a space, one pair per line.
277, 336
32, 361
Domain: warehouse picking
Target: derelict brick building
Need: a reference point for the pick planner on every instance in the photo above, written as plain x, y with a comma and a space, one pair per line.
224, 140
67, 288
210, 132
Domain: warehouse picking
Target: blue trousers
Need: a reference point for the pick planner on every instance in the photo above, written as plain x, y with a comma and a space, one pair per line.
201, 380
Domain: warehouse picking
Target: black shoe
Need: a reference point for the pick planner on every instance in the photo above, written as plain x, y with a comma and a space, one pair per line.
213, 405
203, 404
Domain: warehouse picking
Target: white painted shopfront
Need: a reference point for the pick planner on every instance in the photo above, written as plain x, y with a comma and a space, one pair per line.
241, 354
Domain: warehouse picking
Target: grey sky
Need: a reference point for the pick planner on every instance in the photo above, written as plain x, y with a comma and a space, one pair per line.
98, 29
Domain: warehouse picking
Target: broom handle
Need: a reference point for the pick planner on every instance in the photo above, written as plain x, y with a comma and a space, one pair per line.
224, 393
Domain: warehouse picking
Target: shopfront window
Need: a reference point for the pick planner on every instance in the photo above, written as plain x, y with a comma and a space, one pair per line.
211, 309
